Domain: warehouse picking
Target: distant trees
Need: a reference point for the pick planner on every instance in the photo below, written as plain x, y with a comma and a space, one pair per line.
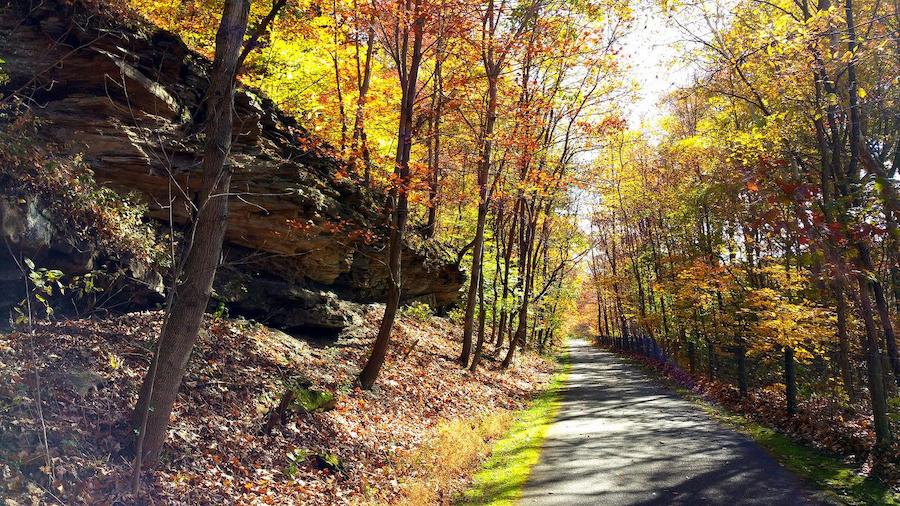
502, 26
475, 117
514, 104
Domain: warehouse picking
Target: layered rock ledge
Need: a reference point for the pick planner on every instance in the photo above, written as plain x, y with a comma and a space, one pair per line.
302, 240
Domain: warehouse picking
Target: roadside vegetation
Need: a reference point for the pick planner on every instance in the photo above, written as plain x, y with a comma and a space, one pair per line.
505, 473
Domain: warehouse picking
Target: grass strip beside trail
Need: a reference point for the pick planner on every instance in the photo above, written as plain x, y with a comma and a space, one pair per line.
834, 476
504, 474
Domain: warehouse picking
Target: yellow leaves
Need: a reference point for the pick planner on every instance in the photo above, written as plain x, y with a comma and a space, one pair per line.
694, 142
783, 317
114, 362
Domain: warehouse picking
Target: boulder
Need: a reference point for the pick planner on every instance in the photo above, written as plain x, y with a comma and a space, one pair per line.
30, 233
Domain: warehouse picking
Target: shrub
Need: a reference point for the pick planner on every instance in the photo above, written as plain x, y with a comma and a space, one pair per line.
418, 311
66, 185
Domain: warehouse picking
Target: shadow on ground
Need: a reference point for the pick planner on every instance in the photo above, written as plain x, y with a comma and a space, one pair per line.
621, 438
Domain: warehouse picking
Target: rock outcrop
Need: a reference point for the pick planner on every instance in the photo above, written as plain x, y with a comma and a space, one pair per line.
127, 98
31, 233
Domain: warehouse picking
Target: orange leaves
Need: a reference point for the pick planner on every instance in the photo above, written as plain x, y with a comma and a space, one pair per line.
612, 123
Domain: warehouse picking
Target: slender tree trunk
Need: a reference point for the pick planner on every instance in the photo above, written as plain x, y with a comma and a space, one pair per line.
498, 224
692, 356
342, 114
478, 249
873, 368
482, 313
741, 357
364, 78
399, 197
852, 172
192, 289
505, 317
525, 247
887, 326
711, 358
474, 283
844, 341
790, 381
434, 170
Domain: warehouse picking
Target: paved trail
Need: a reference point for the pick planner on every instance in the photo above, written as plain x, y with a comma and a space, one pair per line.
621, 438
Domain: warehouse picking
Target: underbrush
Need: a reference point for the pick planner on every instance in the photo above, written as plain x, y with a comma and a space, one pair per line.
66, 188
438, 468
504, 474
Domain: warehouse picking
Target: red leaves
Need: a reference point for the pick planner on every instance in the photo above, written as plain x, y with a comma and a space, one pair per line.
788, 187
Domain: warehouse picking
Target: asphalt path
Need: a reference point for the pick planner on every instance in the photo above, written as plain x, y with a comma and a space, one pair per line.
622, 438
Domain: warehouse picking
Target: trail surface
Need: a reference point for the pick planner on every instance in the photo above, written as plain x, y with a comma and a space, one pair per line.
622, 438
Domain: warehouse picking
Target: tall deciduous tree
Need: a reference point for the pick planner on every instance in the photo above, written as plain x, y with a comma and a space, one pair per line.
404, 34
190, 293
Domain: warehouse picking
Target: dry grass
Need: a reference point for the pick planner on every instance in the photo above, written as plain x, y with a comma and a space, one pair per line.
438, 468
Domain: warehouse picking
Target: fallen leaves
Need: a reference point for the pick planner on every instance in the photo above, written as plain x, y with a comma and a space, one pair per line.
215, 453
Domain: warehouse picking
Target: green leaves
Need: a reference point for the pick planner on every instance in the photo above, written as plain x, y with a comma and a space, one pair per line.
46, 285
295, 458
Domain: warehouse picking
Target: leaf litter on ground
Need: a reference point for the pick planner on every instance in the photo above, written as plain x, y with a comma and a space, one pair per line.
351, 451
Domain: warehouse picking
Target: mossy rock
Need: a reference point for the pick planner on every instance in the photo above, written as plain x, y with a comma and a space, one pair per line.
309, 400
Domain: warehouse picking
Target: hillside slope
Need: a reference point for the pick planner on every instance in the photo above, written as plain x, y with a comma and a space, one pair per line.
217, 451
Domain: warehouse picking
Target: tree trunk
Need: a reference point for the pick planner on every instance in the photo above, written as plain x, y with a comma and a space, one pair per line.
525, 247
741, 357
474, 283
434, 161
192, 289
342, 114
711, 358
692, 356
399, 197
482, 314
874, 371
844, 341
364, 78
478, 249
505, 316
790, 381
887, 326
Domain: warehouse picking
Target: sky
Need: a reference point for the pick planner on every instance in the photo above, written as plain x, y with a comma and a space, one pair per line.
650, 50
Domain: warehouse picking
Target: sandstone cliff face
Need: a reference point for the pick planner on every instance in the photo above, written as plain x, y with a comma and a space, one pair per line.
128, 100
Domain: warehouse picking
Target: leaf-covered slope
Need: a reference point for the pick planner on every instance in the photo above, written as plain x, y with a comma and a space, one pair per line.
90, 372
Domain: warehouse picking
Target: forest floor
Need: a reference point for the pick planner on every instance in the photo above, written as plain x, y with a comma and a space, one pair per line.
417, 437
